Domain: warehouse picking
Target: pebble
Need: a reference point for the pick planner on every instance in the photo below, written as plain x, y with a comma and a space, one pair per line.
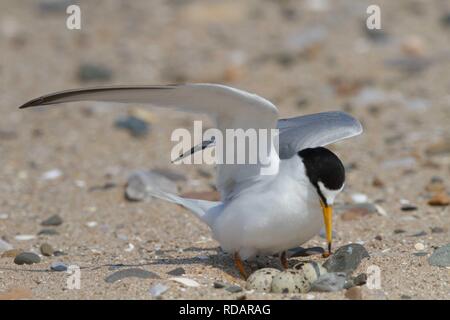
58, 266
47, 250
438, 230
435, 185
158, 289
91, 224
234, 289
219, 285
26, 258
48, 232
58, 253
439, 199
11, 253
135, 126
54, 220
24, 237
261, 280
408, 207
52, 174
445, 20
438, 148
354, 293
93, 72
290, 281
4, 216
419, 234
419, 246
5, 246
356, 211
346, 259
440, 257
359, 198
330, 282
142, 184
131, 273
176, 272
398, 231
186, 281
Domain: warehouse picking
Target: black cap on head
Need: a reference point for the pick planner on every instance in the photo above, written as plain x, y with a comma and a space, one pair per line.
324, 166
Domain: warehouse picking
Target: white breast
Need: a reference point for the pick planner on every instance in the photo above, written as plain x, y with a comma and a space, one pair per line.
273, 215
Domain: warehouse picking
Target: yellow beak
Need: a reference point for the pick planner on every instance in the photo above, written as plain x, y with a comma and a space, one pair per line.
328, 220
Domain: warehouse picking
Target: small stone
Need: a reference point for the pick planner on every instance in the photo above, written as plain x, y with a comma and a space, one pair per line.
346, 259
219, 285
420, 254
438, 230
419, 234
176, 272
5, 246
158, 289
354, 293
436, 185
445, 20
377, 182
408, 207
398, 231
359, 198
440, 257
24, 237
54, 220
405, 297
11, 253
261, 280
58, 266
4, 216
136, 127
439, 148
47, 250
131, 273
439, 199
360, 279
290, 281
234, 289
48, 232
330, 282
58, 253
92, 72
143, 184
378, 237
27, 258
52, 174
419, 246
91, 224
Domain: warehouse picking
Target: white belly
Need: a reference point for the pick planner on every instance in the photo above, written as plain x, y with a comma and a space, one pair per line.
270, 218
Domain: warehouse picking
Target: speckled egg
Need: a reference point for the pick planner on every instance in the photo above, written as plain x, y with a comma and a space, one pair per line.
261, 280
312, 270
290, 281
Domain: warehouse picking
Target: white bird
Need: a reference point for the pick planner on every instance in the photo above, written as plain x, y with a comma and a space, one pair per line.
258, 214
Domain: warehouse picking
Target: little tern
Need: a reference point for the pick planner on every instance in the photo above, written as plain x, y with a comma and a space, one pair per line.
258, 214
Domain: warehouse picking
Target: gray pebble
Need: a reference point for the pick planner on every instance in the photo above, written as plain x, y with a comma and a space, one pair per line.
176, 272
48, 232
92, 72
219, 285
58, 253
142, 184
346, 259
131, 273
290, 281
47, 250
27, 258
330, 282
261, 280
440, 257
54, 220
158, 289
135, 126
5, 246
58, 266
234, 289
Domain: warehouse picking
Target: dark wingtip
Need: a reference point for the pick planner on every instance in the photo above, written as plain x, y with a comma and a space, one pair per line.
32, 103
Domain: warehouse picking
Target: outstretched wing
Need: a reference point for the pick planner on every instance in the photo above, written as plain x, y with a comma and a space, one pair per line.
315, 130
230, 107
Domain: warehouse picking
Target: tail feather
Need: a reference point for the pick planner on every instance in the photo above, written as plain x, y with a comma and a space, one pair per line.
201, 208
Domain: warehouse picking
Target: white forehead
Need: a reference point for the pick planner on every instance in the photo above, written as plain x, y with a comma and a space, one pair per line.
328, 193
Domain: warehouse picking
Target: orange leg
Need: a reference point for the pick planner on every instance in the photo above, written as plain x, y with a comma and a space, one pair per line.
283, 260
239, 264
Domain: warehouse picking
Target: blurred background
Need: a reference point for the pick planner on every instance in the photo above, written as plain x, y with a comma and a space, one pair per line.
305, 56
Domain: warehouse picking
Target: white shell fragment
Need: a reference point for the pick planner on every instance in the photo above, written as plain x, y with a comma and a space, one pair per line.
186, 281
